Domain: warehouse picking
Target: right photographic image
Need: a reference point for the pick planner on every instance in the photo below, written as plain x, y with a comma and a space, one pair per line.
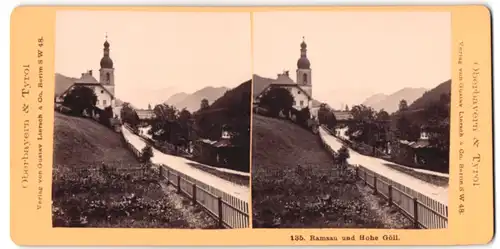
351, 119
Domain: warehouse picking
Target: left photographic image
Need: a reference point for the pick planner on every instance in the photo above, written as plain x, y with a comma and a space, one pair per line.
152, 120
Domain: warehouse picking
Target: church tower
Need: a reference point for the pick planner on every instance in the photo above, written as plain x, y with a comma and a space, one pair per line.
107, 72
304, 69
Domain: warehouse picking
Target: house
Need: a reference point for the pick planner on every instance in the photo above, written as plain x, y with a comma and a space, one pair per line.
218, 153
421, 153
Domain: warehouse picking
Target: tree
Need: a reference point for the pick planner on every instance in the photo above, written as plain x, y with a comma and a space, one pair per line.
106, 116
79, 99
129, 115
403, 105
303, 116
204, 104
342, 156
331, 120
323, 113
382, 115
185, 124
362, 127
164, 112
277, 99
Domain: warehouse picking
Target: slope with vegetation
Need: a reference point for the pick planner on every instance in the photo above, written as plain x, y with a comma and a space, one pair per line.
433, 95
232, 110
295, 182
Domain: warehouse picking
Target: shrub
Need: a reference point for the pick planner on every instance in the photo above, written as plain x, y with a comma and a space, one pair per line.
146, 154
106, 116
343, 155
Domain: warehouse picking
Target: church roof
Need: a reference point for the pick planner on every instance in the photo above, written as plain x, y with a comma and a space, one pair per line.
86, 84
286, 85
303, 62
86, 78
106, 61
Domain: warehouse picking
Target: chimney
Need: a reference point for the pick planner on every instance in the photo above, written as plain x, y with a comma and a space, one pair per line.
83, 75
90, 72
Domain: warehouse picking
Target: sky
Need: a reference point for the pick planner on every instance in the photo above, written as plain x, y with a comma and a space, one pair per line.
156, 54
354, 55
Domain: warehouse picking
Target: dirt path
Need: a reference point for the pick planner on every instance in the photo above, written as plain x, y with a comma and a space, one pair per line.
194, 215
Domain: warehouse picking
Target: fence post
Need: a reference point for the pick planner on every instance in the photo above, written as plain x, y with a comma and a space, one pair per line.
194, 194
365, 179
375, 184
161, 171
221, 224
390, 194
415, 212
168, 176
178, 183
357, 172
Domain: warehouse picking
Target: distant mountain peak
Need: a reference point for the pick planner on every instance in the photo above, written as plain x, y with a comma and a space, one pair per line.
192, 101
390, 102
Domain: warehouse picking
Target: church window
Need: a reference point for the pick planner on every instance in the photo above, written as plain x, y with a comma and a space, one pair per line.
301, 103
305, 78
108, 76
97, 102
102, 91
104, 102
298, 91
294, 103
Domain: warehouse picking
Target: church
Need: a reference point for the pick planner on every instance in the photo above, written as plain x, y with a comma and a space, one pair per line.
300, 90
104, 89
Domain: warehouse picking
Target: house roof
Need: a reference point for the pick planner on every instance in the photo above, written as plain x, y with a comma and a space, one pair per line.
145, 114
416, 145
86, 78
342, 115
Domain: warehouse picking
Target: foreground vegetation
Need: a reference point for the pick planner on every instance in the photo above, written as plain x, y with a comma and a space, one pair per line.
295, 182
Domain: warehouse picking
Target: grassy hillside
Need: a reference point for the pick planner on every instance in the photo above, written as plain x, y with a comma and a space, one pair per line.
86, 196
80, 141
295, 184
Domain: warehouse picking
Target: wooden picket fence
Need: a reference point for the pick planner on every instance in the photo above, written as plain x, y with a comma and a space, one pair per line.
231, 212
424, 211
